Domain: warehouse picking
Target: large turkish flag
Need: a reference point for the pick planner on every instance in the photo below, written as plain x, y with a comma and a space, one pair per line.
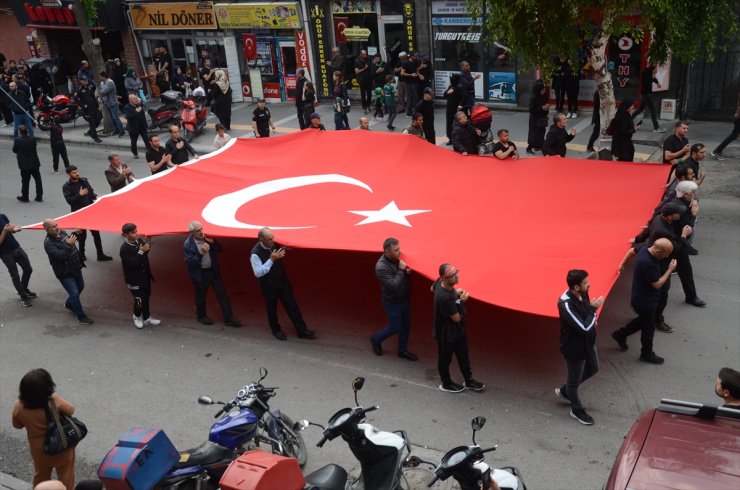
512, 228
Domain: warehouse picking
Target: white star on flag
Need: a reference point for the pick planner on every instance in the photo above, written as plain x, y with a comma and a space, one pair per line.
389, 213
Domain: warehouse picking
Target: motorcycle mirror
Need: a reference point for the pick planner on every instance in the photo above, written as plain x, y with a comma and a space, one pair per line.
263, 374
301, 424
205, 400
358, 383
478, 423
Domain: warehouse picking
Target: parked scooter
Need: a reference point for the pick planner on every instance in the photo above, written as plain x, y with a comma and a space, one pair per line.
465, 464
380, 453
61, 106
193, 117
166, 114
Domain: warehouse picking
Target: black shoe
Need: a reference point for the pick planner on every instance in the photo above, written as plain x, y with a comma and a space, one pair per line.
279, 334
561, 393
449, 143
408, 356
451, 387
97, 140
474, 385
86, 320
38, 199
83, 257
692, 251
377, 348
591, 149
26, 302
121, 135
136, 157
530, 151
205, 320
652, 358
104, 258
22, 199
580, 415
31, 294
87, 133
232, 322
697, 302
620, 341
307, 334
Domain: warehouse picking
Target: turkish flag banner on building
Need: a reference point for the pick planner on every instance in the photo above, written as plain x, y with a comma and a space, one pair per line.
340, 24
249, 44
512, 228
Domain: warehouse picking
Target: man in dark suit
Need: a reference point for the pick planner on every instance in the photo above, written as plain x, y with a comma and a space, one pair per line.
24, 146
137, 125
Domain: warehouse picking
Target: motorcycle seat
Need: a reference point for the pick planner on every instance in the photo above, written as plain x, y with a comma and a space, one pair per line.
207, 453
329, 477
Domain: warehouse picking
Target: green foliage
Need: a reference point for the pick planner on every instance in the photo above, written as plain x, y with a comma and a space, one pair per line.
91, 9
538, 30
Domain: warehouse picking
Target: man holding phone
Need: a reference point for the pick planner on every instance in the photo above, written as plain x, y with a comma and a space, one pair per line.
267, 265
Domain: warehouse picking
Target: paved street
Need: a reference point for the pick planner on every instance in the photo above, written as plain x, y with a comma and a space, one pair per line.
118, 376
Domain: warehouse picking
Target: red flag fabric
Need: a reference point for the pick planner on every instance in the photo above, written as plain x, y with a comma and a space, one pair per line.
512, 228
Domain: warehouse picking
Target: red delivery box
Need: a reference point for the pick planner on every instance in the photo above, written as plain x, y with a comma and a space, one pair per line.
258, 470
139, 460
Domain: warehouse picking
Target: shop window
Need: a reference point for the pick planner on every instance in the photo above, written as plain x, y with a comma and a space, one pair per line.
453, 44
391, 7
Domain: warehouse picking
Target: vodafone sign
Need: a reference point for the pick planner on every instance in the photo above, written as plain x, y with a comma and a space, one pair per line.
301, 50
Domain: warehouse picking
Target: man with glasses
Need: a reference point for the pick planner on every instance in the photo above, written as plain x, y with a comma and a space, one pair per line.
178, 148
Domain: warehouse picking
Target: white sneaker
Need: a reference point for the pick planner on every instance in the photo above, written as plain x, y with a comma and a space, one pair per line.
574, 115
659, 130
567, 116
151, 321
138, 323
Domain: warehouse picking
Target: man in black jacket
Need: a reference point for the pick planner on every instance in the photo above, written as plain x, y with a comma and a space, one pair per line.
395, 291
578, 340
85, 96
24, 146
465, 136
201, 259
79, 193
300, 82
67, 266
178, 148
137, 125
267, 264
425, 107
137, 274
20, 104
558, 136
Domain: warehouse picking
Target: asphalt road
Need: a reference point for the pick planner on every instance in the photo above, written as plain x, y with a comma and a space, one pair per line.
120, 377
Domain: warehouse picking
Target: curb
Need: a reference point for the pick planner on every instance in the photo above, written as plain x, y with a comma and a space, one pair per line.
13, 483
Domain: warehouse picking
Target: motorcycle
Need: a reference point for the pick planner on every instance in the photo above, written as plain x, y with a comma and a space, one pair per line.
193, 117
246, 422
60, 106
166, 114
465, 464
380, 453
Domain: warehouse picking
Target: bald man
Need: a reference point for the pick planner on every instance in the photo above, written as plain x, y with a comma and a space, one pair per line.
364, 123
50, 485
649, 277
137, 125
66, 262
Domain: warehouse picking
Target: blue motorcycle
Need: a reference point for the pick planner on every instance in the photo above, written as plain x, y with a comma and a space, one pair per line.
246, 423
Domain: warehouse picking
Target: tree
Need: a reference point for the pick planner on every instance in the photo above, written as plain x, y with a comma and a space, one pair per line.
538, 30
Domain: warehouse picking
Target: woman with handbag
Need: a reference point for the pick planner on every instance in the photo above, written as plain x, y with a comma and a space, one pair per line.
36, 394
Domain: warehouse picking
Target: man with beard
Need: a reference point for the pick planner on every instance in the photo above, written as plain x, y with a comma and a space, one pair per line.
558, 136
79, 194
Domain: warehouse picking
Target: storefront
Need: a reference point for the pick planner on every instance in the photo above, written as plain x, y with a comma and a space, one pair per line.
377, 26
457, 37
271, 47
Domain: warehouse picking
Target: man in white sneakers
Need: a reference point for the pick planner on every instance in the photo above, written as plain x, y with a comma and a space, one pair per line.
137, 274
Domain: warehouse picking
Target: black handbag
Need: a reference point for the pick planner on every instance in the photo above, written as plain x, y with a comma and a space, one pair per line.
62, 431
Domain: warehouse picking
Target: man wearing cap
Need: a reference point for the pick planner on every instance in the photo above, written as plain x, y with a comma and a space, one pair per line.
401, 86
262, 120
425, 107
315, 122
449, 330
395, 291
137, 273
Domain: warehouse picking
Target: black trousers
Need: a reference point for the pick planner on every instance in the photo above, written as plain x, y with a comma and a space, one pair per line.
662, 302
283, 293
141, 301
429, 133
12, 261
134, 139
732, 137
26, 181
58, 150
201, 290
594, 134
579, 370
647, 101
685, 273
445, 351
559, 96
572, 92
645, 324
82, 238
366, 95
7, 112
93, 120
303, 121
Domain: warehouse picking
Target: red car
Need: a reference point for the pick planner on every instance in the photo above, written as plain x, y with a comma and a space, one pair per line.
680, 445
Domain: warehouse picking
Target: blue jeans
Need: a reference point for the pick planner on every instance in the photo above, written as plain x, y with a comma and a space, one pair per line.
399, 322
19, 119
74, 286
117, 124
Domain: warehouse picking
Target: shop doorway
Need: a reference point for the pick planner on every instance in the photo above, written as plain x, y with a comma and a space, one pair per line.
392, 35
287, 68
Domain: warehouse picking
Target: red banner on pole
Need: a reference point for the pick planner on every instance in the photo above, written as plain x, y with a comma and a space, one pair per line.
340, 24
301, 50
249, 43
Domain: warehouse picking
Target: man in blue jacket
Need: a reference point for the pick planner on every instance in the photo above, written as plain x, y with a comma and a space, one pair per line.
578, 340
201, 260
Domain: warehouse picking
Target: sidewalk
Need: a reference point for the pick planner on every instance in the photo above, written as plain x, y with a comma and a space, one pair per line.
8, 482
647, 143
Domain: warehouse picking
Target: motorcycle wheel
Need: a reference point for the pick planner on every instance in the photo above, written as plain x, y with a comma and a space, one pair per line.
43, 122
293, 447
